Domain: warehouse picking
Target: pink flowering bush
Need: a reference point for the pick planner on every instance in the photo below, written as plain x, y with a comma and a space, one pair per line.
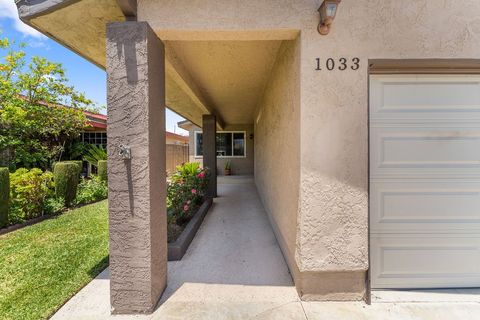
185, 192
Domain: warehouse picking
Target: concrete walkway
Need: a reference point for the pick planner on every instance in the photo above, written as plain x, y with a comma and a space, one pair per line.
234, 269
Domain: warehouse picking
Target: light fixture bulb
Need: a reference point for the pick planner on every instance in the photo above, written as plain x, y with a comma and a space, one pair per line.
331, 10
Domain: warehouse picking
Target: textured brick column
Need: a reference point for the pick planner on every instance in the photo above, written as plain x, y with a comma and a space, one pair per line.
209, 129
136, 118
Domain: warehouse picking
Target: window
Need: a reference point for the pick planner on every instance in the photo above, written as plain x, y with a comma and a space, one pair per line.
229, 144
96, 138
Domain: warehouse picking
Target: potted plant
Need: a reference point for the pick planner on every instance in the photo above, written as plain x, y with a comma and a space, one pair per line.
228, 168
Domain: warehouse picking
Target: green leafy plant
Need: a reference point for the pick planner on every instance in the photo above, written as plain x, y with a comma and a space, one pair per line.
75, 150
102, 170
228, 165
185, 192
66, 181
53, 205
91, 190
94, 154
34, 122
4, 196
28, 190
187, 169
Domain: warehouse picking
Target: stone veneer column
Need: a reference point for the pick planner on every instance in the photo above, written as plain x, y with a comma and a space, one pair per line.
209, 129
136, 118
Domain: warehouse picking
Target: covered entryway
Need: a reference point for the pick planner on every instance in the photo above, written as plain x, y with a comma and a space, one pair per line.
425, 181
216, 84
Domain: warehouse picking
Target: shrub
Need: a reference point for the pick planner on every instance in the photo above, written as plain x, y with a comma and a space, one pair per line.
79, 163
90, 190
95, 154
186, 191
66, 181
53, 205
102, 170
28, 189
188, 169
4, 196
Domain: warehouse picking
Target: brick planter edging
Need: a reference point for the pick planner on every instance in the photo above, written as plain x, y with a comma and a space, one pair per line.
177, 249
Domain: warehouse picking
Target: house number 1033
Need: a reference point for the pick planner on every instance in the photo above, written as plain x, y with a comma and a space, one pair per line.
341, 64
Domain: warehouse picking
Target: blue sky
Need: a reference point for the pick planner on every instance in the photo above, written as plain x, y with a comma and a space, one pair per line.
83, 75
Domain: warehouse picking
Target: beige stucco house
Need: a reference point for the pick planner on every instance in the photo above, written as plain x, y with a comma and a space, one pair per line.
366, 140
235, 145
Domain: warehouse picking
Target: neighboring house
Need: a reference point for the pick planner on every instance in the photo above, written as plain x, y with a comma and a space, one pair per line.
366, 140
234, 144
96, 131
176, 139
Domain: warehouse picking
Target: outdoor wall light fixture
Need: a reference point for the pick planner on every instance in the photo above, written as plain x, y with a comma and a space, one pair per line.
327, 11
124, 152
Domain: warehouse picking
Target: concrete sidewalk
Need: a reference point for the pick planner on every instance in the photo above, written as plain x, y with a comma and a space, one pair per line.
234, 269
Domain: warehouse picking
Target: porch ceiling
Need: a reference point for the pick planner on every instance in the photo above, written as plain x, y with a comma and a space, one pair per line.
231, 75
221, 77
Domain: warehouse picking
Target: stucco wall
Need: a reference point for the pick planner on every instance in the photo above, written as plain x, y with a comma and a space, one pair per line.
277, 147
240, 165
332, 235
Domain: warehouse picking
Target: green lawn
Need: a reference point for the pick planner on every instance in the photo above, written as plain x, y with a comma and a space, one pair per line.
43, 265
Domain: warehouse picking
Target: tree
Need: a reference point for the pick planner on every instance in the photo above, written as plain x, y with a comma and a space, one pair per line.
35, 123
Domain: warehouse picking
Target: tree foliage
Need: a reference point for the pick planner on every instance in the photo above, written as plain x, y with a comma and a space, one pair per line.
34, 122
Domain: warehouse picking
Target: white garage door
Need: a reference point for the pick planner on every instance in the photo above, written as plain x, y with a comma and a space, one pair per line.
425, 181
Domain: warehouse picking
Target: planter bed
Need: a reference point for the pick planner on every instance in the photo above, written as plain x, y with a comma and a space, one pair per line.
177, 249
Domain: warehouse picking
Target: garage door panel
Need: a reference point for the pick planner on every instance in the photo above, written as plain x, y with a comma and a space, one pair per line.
425, 97
413, 150
425, 181
414, 206
427, 261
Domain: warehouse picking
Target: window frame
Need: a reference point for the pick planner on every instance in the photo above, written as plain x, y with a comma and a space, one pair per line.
222, 157
97, 135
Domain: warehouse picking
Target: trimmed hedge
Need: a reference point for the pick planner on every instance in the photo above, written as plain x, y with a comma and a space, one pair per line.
102, 170
79, 163
4, 196
66, 177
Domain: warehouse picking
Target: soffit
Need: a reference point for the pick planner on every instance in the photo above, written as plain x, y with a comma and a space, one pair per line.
231, 75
